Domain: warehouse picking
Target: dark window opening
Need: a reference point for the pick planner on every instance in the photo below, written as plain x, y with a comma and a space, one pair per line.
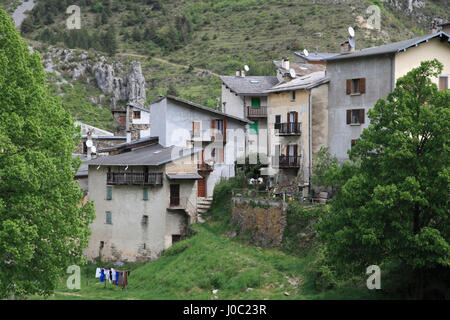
176, 238
136, 114
443, 82
174, 194
293, 95
144, 220
355, 86
108, 217
102, 244
354, 141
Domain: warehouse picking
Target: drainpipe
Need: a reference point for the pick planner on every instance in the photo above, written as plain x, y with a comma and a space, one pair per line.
309, 141
128, 132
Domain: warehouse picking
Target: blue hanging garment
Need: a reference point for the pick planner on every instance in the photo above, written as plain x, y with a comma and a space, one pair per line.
102, 275
117, 277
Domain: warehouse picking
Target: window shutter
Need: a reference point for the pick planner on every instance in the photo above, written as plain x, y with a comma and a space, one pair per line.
296, 117
108, 193
362, 85
349, 116
349, 86
295, 150
288, 117
225, 130
361, 116
213, 127
145, 194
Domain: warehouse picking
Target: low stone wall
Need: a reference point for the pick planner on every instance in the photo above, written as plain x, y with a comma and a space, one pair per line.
265, 219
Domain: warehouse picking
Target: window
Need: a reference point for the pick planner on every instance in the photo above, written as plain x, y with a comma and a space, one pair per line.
136, 114
176, 238
354, 141
196, 129
174, 194
145, 194
108, 217
293, 95
108, 193
144, 220
256, 102
254, 127
356, 86
355, 116
443, 82
277, 122
102, 244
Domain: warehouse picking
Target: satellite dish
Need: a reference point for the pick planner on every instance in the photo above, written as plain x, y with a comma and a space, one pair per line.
93, 149
351, 42
89, 143
351, 32
306, 53
246, 68
292, 73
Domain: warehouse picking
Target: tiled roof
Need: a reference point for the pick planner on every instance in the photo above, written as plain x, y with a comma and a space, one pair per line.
249, 85
391, 47
316, 56
304, 82
153, 155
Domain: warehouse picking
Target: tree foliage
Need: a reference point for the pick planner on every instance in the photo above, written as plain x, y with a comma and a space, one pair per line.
43, 227
393, 210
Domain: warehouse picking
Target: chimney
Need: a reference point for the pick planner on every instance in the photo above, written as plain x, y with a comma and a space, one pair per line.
285, 63
238, 73
346, 47
89, 149
243, 73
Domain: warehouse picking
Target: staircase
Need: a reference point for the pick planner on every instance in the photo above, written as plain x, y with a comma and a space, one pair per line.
203, 205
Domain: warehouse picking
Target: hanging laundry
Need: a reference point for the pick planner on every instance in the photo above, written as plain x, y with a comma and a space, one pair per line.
102, 275
97, 272
113, 274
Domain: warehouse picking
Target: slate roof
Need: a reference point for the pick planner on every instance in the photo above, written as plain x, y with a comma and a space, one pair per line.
153, 155
316, 56
300, 68
83, 169
96, 131
249, 85
183, 176
190, 104
134, 143
304, 82
389, 48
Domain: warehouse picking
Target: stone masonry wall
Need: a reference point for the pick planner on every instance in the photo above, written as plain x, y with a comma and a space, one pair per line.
266, 220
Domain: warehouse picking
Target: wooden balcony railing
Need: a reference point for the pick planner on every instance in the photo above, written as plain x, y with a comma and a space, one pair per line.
260, 112
288, 128
286, 162
135, 178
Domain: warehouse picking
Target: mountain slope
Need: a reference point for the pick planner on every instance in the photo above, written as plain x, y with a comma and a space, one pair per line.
218, 35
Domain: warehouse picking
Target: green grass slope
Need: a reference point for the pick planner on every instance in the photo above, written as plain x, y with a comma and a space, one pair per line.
210, 260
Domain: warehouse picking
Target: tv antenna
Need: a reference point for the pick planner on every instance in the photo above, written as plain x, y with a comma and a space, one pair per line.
351, 39
351, 32
89, 143
305, 52
246, 68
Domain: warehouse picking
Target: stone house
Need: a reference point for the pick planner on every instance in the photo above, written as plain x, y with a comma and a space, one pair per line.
359, 78
298, 127
145, 197
221, 136
132, 121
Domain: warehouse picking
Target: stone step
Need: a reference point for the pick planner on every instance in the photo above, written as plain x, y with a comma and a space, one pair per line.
200, 211
203, 206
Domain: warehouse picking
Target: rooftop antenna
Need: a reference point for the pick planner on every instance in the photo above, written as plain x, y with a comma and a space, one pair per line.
305, 52
292, 73
351, 39
246, 68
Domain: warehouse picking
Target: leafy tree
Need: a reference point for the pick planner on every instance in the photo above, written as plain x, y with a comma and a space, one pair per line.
393, 210
43, 226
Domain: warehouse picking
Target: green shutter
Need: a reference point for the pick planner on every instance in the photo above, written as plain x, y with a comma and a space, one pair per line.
108, 193
256, 102
145, 196
254, 127
108, 217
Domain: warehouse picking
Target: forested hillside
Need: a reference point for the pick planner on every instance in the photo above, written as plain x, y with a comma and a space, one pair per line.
219, 36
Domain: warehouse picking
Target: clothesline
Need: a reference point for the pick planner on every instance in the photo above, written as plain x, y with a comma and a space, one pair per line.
116, 277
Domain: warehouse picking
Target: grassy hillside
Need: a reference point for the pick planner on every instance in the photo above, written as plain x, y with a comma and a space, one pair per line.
210, 260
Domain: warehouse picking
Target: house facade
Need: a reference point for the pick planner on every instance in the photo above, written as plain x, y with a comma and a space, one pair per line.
221, 136
144, 196
132, 122
358, 79
298, 124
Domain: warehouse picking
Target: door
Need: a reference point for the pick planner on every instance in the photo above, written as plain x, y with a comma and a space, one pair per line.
174, 195
202, 188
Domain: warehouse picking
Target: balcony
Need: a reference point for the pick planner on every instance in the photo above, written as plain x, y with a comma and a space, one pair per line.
260, 112
288, 128
204, 167
286, 162
135, 178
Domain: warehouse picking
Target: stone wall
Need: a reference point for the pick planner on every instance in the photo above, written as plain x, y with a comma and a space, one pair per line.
265, 219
